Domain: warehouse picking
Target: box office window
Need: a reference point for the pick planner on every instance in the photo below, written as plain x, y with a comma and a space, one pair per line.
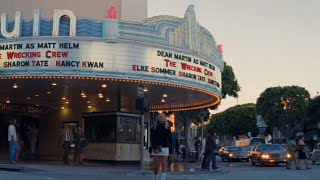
112, 129
100, 129
128, 129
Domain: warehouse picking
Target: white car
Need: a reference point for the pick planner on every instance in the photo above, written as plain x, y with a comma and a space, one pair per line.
315, 154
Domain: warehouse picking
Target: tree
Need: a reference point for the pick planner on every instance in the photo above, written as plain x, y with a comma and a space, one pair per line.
230, 84
284, 107
313, 111
219, 124
236, 120
187, 117
230, 87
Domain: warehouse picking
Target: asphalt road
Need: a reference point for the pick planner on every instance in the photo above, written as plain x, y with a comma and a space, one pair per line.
233, 170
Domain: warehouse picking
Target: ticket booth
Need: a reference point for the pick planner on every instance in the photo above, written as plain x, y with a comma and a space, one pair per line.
113, 136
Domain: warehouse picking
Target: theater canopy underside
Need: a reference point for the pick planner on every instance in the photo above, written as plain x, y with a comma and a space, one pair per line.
100, 94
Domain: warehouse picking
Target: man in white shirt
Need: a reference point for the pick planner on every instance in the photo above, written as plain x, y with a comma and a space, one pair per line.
67, 136
12, 138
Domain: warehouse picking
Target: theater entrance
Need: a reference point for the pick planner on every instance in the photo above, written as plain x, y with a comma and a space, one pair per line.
27, 129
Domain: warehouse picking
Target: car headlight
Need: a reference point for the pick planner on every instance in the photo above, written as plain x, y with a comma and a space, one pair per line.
289, 155
230, 155
265, 156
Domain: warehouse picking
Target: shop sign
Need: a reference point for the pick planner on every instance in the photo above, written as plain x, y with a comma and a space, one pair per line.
8, 107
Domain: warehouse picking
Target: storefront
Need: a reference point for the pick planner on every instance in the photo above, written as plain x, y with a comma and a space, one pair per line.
85, 71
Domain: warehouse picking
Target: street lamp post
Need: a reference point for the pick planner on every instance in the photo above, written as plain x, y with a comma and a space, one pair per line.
201, 129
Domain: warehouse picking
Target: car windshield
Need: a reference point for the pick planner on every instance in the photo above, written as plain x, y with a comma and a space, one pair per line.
233, 148
270, 148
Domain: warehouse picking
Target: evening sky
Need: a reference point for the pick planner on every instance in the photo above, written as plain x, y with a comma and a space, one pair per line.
267, 42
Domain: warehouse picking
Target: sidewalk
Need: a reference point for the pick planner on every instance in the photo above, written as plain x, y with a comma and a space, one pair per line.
102, 168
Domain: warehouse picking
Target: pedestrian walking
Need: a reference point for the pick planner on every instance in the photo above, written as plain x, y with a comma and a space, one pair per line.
291, 150
197, 144
210, 155
13, 141
161, 141
302, 156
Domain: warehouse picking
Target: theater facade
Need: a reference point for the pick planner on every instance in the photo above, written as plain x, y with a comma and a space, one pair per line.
88, 72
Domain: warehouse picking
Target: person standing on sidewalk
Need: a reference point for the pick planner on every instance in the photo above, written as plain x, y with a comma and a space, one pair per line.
12, 138
302, 156
161, 141
80, 143
210, 148
291, 150
67, 137
197, 144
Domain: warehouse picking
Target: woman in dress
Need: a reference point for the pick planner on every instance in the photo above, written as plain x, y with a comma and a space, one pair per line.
80, 143
161, 141
302, 156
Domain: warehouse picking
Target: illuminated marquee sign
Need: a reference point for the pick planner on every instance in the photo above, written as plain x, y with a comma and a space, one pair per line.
48, 54
57, 14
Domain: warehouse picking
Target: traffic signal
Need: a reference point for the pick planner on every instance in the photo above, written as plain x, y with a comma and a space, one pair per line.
139, 103
142, 105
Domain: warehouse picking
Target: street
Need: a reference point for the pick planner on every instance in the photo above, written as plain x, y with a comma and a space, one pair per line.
227, 171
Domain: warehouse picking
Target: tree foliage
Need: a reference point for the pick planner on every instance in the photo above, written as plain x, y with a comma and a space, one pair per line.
236, 120
313, 111
230, 84
230, 87
187, 117
284, 107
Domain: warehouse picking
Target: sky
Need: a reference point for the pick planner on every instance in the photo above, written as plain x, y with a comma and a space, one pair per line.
268, 43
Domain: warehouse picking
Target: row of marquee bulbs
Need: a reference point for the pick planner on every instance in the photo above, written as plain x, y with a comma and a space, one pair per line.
88, 102
100, 95
164, 96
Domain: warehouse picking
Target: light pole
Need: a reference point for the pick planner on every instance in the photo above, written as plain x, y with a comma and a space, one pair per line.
201, 130
140, 104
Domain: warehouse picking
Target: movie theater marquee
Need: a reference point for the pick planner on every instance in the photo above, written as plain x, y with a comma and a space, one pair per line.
101, 56
51, 53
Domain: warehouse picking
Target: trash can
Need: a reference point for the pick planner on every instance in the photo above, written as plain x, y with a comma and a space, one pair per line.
192, 156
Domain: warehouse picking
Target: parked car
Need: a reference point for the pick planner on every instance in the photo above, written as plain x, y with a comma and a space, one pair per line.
268, 154
234, 153
315, 154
